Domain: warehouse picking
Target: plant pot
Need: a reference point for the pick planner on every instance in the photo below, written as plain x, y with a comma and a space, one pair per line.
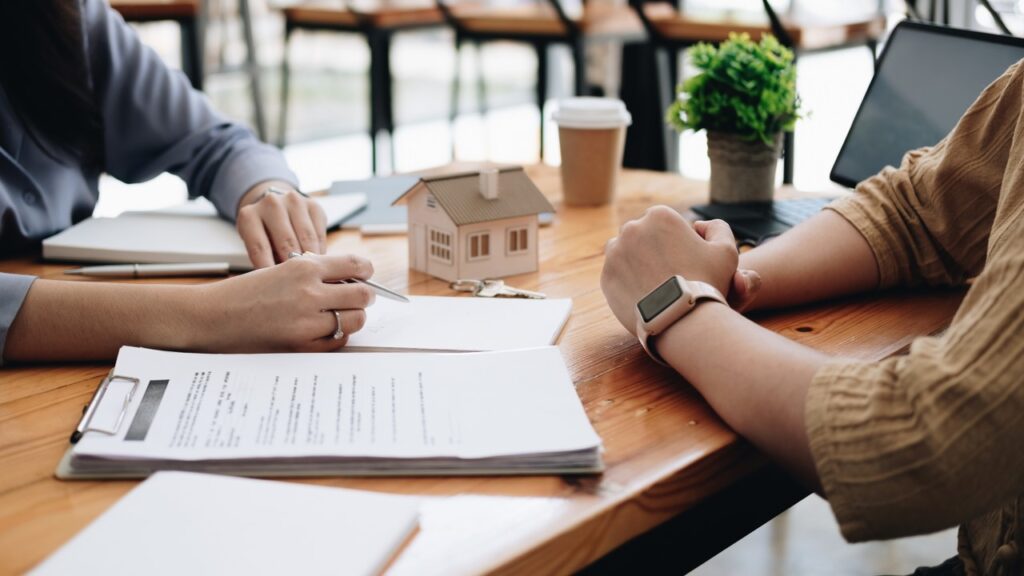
742, 170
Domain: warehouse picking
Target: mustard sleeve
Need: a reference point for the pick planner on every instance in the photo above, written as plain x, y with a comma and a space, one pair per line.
927, 222
922, 442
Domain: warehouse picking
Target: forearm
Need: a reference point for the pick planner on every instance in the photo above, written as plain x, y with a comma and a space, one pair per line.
754, 379
821, 258
91, 321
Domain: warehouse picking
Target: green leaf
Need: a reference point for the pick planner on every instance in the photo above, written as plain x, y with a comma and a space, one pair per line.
743, 87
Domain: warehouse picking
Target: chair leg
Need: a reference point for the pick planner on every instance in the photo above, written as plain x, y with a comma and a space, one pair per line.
663, 83
253, 67
481, 81
542, 88
579, 57
453, 112
381, 116
191, 52
282, 124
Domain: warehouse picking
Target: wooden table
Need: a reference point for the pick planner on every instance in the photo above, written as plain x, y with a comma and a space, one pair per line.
665, 450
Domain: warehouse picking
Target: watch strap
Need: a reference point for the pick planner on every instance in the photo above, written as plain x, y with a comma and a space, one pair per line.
700, 291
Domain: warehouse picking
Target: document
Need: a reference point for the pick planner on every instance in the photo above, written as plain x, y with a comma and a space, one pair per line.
191, 232
178, 523
380, 413
466, 324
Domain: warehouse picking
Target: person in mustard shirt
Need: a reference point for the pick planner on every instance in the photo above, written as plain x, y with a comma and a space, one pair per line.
81, 95
909, 445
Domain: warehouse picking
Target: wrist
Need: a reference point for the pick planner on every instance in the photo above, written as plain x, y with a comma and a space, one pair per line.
186, 324
258, 191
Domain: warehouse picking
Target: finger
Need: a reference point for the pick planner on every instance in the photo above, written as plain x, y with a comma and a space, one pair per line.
744, 288
334, 268
279, 227
302, 223
716, 232
350, 296
316, 213
257, 244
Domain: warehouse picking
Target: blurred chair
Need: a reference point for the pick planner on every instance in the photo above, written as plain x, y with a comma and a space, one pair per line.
540, 23
377, 20
672, 30
186, 13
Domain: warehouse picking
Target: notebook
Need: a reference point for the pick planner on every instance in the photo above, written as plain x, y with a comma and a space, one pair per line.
461, 324
191, 232
178, 523
509, 412
379, 217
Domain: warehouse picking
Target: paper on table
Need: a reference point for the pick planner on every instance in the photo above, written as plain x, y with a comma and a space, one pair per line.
191, 232
461, 324
185, 523
380, 405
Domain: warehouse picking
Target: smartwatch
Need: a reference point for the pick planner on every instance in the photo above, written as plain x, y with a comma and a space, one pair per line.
666, 304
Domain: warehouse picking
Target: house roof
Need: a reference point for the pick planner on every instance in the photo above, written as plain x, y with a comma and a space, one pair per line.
459, 196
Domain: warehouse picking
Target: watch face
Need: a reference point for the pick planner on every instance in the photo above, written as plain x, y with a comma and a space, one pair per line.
661, 298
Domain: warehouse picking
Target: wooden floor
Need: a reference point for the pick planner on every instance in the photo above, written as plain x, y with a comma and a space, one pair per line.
665, 450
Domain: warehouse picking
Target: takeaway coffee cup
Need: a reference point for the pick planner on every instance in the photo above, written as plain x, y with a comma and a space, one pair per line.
591, 134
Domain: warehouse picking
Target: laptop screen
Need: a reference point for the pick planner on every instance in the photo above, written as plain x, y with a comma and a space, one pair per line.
927, 77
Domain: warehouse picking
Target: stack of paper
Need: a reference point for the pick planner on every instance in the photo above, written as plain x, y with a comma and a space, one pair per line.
182, 523
512, 412
188, 233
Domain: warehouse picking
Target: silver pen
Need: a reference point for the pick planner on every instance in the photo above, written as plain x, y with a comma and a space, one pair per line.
153, 270
378, 288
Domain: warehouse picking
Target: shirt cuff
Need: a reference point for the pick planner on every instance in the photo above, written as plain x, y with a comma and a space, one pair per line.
821, 420
244, 169
13, 288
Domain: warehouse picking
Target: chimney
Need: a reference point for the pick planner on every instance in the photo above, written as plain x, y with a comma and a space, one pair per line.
489, 183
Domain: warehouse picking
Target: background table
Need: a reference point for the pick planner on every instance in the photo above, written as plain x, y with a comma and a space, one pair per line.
667, 454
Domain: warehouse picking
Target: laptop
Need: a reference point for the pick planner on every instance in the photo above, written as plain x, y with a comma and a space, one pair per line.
925, 79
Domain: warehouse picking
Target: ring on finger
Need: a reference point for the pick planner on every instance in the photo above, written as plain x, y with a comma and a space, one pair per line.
339, 332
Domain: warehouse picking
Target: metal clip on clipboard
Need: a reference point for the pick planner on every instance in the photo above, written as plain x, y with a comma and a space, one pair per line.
85, 424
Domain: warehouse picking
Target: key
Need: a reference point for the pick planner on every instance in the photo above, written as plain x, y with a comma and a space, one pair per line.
472, 286
498, 289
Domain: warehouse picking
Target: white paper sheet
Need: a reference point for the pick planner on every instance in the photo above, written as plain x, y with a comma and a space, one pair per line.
179, 523
386, 405
462, 324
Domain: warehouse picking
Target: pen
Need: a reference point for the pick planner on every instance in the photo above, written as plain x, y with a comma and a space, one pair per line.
378, 288
153, 270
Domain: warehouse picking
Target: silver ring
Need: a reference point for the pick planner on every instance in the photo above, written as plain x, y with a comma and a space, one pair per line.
339, 333
293, 255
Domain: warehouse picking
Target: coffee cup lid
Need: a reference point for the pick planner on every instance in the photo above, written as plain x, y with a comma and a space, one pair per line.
592, 113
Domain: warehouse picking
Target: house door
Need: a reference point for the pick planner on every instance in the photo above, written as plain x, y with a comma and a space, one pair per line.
419, 251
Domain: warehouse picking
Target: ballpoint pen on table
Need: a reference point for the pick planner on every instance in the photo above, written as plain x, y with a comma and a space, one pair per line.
153, 270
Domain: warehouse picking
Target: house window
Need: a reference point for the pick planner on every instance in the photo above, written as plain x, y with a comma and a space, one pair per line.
517, 240
441, 246
431, 201
479, 245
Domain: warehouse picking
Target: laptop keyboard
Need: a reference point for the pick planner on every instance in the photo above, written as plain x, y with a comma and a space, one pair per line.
793, 212
753, 223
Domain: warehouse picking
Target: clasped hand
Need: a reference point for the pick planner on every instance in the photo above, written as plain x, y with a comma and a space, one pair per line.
662, 244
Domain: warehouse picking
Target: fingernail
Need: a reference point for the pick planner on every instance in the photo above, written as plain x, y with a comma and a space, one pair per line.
753, 280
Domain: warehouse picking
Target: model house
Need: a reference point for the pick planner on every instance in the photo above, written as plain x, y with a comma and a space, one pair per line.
474, 224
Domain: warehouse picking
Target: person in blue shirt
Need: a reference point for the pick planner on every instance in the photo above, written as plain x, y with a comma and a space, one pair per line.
80, 96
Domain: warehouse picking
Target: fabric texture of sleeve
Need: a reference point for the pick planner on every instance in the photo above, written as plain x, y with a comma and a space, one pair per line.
921, 442
13, 288
924, 441
156, 122
928, 221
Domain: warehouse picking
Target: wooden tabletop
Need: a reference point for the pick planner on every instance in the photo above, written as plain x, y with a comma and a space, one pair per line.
665, 450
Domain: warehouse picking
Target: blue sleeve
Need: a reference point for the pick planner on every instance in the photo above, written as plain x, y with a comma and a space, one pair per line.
155, 122
13, 288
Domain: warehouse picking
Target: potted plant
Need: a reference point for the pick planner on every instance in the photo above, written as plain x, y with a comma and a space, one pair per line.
745, 97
